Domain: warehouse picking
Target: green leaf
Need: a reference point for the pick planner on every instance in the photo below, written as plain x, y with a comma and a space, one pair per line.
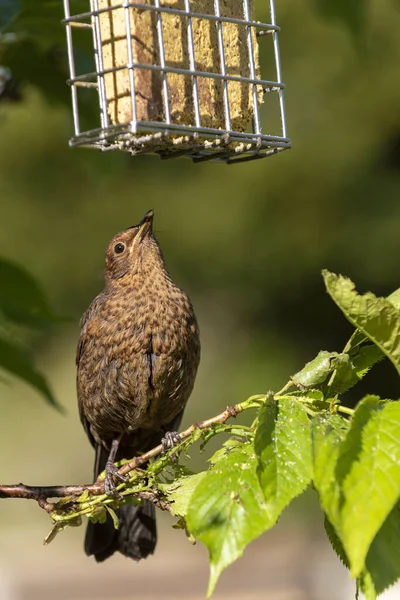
174, 471
354, 343
181, 524
357, 476
216, 428
316, 371
328, 434
8, 11
334, 452
232, 442
283, 448
382, 566
113, 516
366, 358
370, 470
98, 514
363, 356
312, 395
352, 444
84, 497
343, 378
358, 338
376, 318
351, 13
366, 585
180, 491
15, 360
348, 375
394, 298
228, 510
57, 527
335, 542
21, 298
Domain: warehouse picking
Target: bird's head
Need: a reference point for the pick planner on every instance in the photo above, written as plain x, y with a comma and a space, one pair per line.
133, 251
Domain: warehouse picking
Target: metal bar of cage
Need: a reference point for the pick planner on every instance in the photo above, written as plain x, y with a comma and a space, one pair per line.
156, 125
278, 69
162, 61
256, 117
221, 50
192, 65
265, 83
100, 68
201, 143
172, 11
71, 64
131, 69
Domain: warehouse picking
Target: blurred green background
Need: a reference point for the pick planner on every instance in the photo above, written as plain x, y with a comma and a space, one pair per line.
247, 242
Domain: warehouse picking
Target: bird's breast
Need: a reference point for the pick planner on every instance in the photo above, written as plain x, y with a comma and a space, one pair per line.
139, 360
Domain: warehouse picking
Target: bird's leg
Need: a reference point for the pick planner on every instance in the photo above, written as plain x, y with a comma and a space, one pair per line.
112, 471
170, 439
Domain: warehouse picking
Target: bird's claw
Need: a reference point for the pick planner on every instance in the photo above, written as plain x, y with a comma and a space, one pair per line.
112, 475
170, 440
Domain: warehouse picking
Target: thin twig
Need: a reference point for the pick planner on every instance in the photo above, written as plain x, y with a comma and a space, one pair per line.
154, 499
345, 410
42, 493
230, 411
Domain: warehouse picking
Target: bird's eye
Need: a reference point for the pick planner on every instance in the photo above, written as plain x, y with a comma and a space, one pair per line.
119, 248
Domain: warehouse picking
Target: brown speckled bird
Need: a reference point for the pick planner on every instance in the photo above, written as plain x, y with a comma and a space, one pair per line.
137, 359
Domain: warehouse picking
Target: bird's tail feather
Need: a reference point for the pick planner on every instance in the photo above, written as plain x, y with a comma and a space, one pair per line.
136, 535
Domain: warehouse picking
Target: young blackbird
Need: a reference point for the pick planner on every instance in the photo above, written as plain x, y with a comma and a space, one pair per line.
137, 359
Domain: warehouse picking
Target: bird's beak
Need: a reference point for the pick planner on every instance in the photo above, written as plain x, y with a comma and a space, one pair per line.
145, 225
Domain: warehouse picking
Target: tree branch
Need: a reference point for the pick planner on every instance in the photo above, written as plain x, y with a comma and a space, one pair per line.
42, 493
230, 411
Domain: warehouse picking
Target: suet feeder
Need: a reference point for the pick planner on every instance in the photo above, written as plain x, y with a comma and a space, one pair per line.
178, 78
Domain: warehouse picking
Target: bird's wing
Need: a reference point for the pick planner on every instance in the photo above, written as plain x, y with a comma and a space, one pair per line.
85, 320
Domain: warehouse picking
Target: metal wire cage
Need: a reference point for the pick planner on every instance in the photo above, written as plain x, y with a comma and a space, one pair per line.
176, 78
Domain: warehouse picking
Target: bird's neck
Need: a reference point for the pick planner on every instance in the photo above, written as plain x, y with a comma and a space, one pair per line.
152, 279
